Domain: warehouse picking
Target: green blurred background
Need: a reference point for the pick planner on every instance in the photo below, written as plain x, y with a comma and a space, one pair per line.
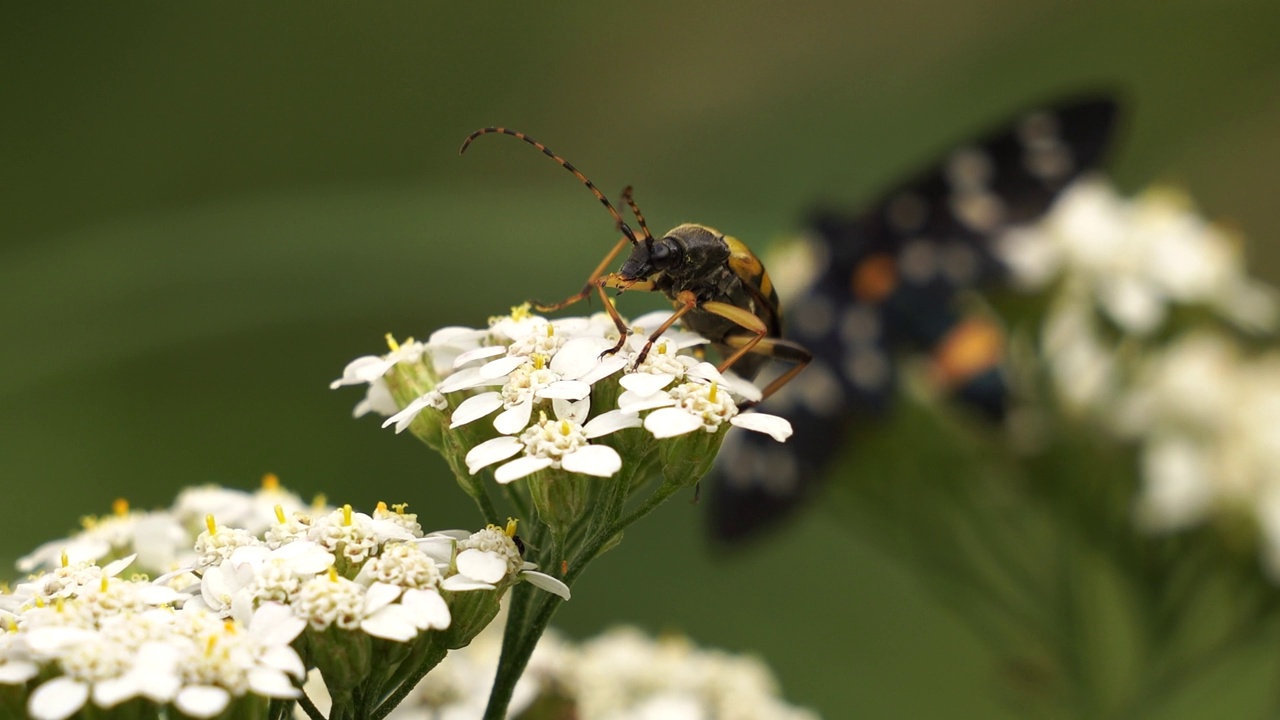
208, 211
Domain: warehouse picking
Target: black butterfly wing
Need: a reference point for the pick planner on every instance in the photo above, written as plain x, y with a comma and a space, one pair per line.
891, 278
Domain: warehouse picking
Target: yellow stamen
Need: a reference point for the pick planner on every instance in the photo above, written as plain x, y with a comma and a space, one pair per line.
333, 574
270, 482
346, 515
391, 342
209, 645
120, 507
510, 530
400, 508
551, 331
712, 394
229, 626
61, 604
538, 362
382, 507
520, 312
209, 523
319, 501
280, 518
662, 348
564, 428
65, 560
13, 625
39, 602
103, 585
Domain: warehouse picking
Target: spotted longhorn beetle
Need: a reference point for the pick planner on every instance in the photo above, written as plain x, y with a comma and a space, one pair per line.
719, 288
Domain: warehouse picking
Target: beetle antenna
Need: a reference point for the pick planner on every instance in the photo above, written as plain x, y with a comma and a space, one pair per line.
635, 210
622, 224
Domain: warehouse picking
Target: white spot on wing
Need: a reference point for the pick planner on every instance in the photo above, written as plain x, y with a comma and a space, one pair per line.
867, 368
860, 326
907, 213
918, 261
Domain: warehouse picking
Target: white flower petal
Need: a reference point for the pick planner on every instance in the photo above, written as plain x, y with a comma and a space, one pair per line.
116, 567
520, 467
57, 699
515, 418
478, 354
670, 422
285, 659
474, 408
546, 582
608, 365
271, 683
708, 372
610, 422
632, 403
405, 417
462, 583
464, 379
565, 389
393, 622
572, 410
775, 427
502, 367
483, 565
742, 387
597, 460
275, 624
492, 451
17, 672
361, 371
576, 358
430, 611
644, 384
380, 595
202, 701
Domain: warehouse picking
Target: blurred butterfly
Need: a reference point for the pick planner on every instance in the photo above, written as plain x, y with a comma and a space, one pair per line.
889, 282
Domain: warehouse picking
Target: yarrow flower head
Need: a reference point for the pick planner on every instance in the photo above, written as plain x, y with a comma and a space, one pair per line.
545, 406
349, 594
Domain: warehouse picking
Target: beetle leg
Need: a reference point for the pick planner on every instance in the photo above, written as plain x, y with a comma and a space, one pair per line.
687, 302
591, 281
623, 331
778, 349
757, 342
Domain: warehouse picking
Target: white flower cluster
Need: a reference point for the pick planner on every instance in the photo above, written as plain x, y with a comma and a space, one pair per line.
1208, 417
623, 674
163, 540
1204, 412
81, 634
1135, 259
219, 629
525, 363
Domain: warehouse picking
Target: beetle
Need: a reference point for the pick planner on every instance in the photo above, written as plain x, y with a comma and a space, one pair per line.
719, 288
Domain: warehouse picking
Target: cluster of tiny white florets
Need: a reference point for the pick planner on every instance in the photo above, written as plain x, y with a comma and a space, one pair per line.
221, 627
533, 381
1204, 411
623, 673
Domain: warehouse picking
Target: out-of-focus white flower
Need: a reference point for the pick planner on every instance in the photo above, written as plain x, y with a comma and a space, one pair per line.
1136, 257
620, 675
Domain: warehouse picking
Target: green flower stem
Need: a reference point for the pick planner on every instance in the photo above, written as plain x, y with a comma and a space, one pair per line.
481, 496
521, 635
433, 657
310, 708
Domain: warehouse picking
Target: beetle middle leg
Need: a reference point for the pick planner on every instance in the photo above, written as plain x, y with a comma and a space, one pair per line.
756, 341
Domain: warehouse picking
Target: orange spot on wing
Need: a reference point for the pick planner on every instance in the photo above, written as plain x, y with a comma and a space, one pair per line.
874, 278
970, 349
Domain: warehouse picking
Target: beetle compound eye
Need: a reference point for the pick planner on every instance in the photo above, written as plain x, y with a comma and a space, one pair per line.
660, 252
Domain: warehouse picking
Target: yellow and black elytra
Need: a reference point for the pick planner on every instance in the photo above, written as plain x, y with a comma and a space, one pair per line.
890, 283
719, 288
